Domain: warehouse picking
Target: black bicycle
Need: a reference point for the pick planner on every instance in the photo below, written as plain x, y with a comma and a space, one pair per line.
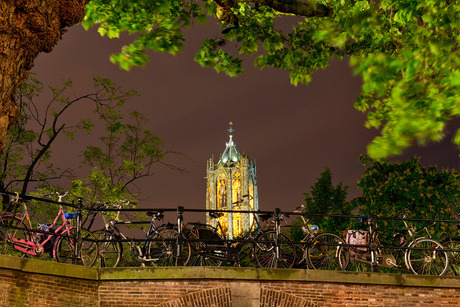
452, 245
211, 248
159, 247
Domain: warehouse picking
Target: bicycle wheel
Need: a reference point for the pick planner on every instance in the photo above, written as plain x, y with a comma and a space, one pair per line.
198, 259
8, 231
265, 251
110, 250
64, 248
208, 247
454, 257
246, 255
427, 257
163, 251
326, 253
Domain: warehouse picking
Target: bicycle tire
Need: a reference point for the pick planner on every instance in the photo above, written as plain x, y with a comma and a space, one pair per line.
163, 251
8, 223
202, 255
110, 251
454, 257
430, 259
265, 251
245, 255
64, 248
326, 253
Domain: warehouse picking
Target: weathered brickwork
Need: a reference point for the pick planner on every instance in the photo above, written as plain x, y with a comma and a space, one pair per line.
164, 293
274, 298
335, 294
25, 289
25, 282
209, 297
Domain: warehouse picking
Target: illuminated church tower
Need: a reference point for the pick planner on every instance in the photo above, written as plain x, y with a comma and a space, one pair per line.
232, 185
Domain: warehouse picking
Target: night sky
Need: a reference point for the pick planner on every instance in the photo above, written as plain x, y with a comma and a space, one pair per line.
293, 133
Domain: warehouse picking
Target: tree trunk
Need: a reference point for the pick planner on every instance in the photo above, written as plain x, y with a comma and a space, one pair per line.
28, 27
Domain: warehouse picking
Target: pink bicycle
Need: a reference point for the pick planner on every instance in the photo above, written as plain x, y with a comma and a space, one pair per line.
18, 238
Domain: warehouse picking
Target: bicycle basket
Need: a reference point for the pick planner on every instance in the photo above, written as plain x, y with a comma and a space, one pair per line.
357, 237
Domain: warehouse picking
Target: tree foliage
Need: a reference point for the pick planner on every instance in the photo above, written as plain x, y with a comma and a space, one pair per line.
125, 151
390, 187
405, 51
324, 199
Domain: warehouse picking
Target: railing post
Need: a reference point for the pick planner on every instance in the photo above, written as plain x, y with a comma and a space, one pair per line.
277, 234
371, 220
78, 237
180, 218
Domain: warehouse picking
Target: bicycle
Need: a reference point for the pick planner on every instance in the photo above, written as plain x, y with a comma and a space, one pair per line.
272, 248
321, 251
210, 248
159, 246
453, 244
422, 256
17, 234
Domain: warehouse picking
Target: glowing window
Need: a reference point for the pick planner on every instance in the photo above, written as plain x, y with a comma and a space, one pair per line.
221, 191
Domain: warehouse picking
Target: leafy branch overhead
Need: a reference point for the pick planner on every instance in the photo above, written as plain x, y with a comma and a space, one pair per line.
405, 51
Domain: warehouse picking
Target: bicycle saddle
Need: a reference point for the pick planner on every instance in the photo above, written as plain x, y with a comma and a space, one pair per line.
215, 215
156, 214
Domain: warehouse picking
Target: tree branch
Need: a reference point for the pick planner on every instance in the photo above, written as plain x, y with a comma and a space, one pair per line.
298, 8
295, 7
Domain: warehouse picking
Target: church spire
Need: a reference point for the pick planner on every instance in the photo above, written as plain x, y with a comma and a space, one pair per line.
231, 154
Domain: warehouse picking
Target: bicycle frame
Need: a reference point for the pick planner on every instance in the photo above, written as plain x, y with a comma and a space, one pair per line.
405, 245
34, 247
227, 250
141, 249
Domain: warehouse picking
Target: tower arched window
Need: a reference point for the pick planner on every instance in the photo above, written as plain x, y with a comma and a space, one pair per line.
222, 192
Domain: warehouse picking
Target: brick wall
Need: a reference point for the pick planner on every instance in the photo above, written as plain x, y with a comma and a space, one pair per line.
164, 293
272, 294
28, 282
335, 294
25, 289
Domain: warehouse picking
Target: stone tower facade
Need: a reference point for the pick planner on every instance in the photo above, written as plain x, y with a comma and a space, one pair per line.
232, 185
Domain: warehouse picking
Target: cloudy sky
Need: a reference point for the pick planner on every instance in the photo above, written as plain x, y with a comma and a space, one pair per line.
293, 133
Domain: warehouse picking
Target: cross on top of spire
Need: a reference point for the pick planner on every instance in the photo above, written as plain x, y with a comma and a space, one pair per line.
231, 128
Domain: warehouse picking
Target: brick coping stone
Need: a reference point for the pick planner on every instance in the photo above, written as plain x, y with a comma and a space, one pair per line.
35, 266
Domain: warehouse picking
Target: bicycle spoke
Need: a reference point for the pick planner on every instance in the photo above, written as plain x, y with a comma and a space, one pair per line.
265, 251
454, 257
64, 248
163, 251
110, 251
426, 257
324, 253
